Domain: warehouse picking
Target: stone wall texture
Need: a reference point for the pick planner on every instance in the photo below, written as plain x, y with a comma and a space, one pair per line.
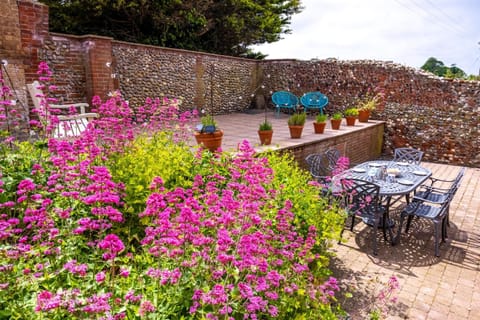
214, 83
437, 115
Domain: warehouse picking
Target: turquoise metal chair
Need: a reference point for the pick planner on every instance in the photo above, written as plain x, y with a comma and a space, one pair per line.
285, 100
314, 101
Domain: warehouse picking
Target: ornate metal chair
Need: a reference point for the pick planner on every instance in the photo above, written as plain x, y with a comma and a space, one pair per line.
321, 165
436, 213
318, 166
284, 100
362, 199
332, 155
409, 155
314, 101
437, 191
432, 203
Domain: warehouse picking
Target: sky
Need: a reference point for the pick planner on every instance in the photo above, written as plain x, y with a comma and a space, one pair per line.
407, 32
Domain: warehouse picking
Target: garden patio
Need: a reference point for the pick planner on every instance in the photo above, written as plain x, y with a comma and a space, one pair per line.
430, 287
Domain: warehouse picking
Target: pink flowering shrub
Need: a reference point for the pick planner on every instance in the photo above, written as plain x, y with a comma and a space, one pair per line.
215, 242
84, 233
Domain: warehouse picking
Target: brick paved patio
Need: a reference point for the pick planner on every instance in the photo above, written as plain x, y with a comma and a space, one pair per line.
447, 287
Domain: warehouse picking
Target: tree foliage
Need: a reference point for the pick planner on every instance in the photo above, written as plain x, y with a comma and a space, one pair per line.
216, 26
437, 67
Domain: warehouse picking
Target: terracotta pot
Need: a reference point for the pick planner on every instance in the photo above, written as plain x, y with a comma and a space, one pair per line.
295, 131
319, 127
363, 115
265, 136
351, 121
210, 141
335, 123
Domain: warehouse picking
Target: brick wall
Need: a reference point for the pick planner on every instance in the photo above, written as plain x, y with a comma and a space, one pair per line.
358, 146
13, 72
439, 116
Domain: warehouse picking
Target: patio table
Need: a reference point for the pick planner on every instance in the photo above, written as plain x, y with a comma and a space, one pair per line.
410, 177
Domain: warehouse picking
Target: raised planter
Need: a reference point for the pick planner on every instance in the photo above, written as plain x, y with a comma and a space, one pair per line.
319, 127
363, 115
265, 137
295, 132
211, 141
335, 123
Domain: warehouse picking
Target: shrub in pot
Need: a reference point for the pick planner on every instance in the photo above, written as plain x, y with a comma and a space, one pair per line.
208, 134
295, 124
320, 123
265, 133
351, 115
336, 120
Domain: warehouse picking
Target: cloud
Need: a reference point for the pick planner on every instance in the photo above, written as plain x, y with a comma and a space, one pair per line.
402, 31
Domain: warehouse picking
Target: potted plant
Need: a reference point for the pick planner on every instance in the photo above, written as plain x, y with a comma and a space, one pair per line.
351, 115
208, 134
320, 123
367, 105
265, 132
336, 120
295, 124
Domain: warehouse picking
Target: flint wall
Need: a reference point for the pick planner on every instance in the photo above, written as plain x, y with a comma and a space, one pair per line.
439, 116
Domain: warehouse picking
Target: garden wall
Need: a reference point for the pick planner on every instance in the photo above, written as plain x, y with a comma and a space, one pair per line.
436, 115
439, 116
205, 81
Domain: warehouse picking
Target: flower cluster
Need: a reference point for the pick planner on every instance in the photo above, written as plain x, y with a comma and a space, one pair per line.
214, 243
239, 260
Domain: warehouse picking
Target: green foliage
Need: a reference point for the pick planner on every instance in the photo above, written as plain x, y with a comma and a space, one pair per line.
368, 103
16, 164
437, 67
217, 26
294, 184
473, 77
321, 118
297, 119
351, 112
265, 126
337, 116
145, 159
208, 120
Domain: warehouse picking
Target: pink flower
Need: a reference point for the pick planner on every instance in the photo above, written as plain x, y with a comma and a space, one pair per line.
100, 277
112, 244
145, 307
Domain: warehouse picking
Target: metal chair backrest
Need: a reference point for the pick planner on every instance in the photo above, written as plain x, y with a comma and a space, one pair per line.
314, 100
409, 155
317, 165
361, 196
332, 155
362, 199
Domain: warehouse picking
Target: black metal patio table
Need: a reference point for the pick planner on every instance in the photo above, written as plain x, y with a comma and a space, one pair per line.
392, 189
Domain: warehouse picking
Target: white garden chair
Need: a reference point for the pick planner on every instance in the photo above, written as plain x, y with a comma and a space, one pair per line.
69, 125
